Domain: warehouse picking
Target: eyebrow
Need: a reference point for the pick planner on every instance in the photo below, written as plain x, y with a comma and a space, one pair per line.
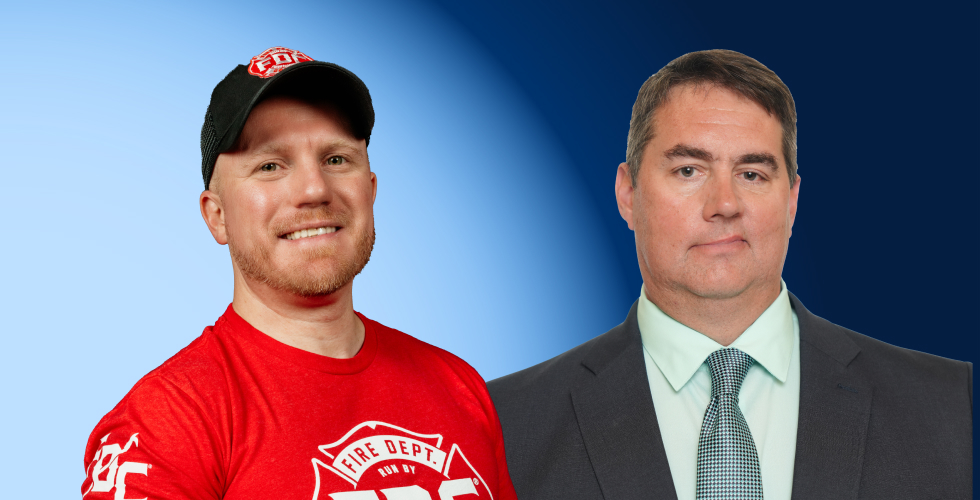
760, 159
687, 151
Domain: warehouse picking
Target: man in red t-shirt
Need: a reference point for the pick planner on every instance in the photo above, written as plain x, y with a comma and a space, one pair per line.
292, 394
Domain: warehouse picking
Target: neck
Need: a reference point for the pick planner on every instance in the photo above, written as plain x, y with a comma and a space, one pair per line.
324, 325
720, 319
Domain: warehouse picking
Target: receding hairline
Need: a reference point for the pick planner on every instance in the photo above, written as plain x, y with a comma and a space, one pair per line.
737, 72
691, 151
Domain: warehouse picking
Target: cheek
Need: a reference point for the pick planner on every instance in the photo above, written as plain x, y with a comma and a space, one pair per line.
252, 208
359, 196
772, 228
671, 213
665, 223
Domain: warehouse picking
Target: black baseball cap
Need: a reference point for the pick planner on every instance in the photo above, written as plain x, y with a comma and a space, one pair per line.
279, 70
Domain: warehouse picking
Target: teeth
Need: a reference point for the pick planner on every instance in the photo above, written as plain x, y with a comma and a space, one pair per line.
306, 233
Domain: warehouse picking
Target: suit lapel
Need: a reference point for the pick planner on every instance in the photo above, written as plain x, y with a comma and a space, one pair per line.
619, 426
835, 407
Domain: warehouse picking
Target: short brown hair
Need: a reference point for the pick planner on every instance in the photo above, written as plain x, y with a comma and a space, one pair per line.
726, 68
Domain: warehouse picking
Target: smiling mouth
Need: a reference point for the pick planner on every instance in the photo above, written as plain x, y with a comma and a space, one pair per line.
308, 233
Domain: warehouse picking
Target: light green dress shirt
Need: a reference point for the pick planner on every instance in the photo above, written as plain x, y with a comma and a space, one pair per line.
769, 399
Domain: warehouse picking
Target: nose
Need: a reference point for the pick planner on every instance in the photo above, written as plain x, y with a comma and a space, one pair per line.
311, 185
722, 200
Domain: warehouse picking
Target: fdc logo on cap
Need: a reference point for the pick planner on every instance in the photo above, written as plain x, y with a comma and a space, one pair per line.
274, 60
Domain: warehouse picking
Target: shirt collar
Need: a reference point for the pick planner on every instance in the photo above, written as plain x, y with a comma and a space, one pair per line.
679, 351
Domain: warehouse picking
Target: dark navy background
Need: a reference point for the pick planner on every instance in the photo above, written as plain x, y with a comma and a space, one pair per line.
886, 240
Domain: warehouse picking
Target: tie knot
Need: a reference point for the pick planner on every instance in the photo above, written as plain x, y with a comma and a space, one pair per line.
728, 368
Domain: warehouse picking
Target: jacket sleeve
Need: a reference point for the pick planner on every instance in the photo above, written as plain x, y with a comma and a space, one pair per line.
158, 442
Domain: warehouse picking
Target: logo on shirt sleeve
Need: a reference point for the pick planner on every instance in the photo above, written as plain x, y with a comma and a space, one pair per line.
106, 471
377, 457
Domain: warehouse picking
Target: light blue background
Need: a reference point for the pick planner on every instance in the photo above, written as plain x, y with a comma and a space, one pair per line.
488, 241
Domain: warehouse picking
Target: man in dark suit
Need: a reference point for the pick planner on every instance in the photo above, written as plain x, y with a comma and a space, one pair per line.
720, 384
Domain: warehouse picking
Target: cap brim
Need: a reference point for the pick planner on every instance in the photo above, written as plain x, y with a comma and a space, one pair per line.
340, 86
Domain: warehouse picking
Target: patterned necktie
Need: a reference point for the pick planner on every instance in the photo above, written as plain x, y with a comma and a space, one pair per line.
728, 465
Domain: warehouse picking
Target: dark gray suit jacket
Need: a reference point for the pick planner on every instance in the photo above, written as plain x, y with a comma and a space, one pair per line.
876, 421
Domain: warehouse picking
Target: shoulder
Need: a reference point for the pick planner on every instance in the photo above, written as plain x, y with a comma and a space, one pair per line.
555, 374
170, 412
914, 410
187, 377
432, 370
890, 365
409, 352
875, 358
570, 369
896, 360
187, 394
191, 370
397, 341
539, 411
894, 372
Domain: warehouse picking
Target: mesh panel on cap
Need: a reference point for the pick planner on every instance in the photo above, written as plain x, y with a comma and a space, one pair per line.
209, 148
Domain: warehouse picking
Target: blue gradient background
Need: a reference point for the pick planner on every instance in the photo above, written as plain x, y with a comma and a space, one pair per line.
499, 129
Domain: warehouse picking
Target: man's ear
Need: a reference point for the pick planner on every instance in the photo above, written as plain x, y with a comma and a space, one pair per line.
624, 193
794, 198
214, 216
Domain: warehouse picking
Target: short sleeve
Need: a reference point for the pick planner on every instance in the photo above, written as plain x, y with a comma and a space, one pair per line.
158, 442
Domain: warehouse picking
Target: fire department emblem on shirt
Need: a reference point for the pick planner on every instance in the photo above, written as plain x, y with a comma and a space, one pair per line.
376, 461
274, 60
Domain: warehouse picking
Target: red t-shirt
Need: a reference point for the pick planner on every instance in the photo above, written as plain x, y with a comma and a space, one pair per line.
239, 415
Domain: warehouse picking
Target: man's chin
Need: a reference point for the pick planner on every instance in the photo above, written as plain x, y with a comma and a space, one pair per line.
307, 288
718, 293
719, 287
314, 280
310, 275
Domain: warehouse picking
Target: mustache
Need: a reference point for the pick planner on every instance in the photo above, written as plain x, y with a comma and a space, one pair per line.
308, 216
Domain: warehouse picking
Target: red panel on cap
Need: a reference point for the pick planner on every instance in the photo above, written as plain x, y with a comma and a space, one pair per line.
274, 60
